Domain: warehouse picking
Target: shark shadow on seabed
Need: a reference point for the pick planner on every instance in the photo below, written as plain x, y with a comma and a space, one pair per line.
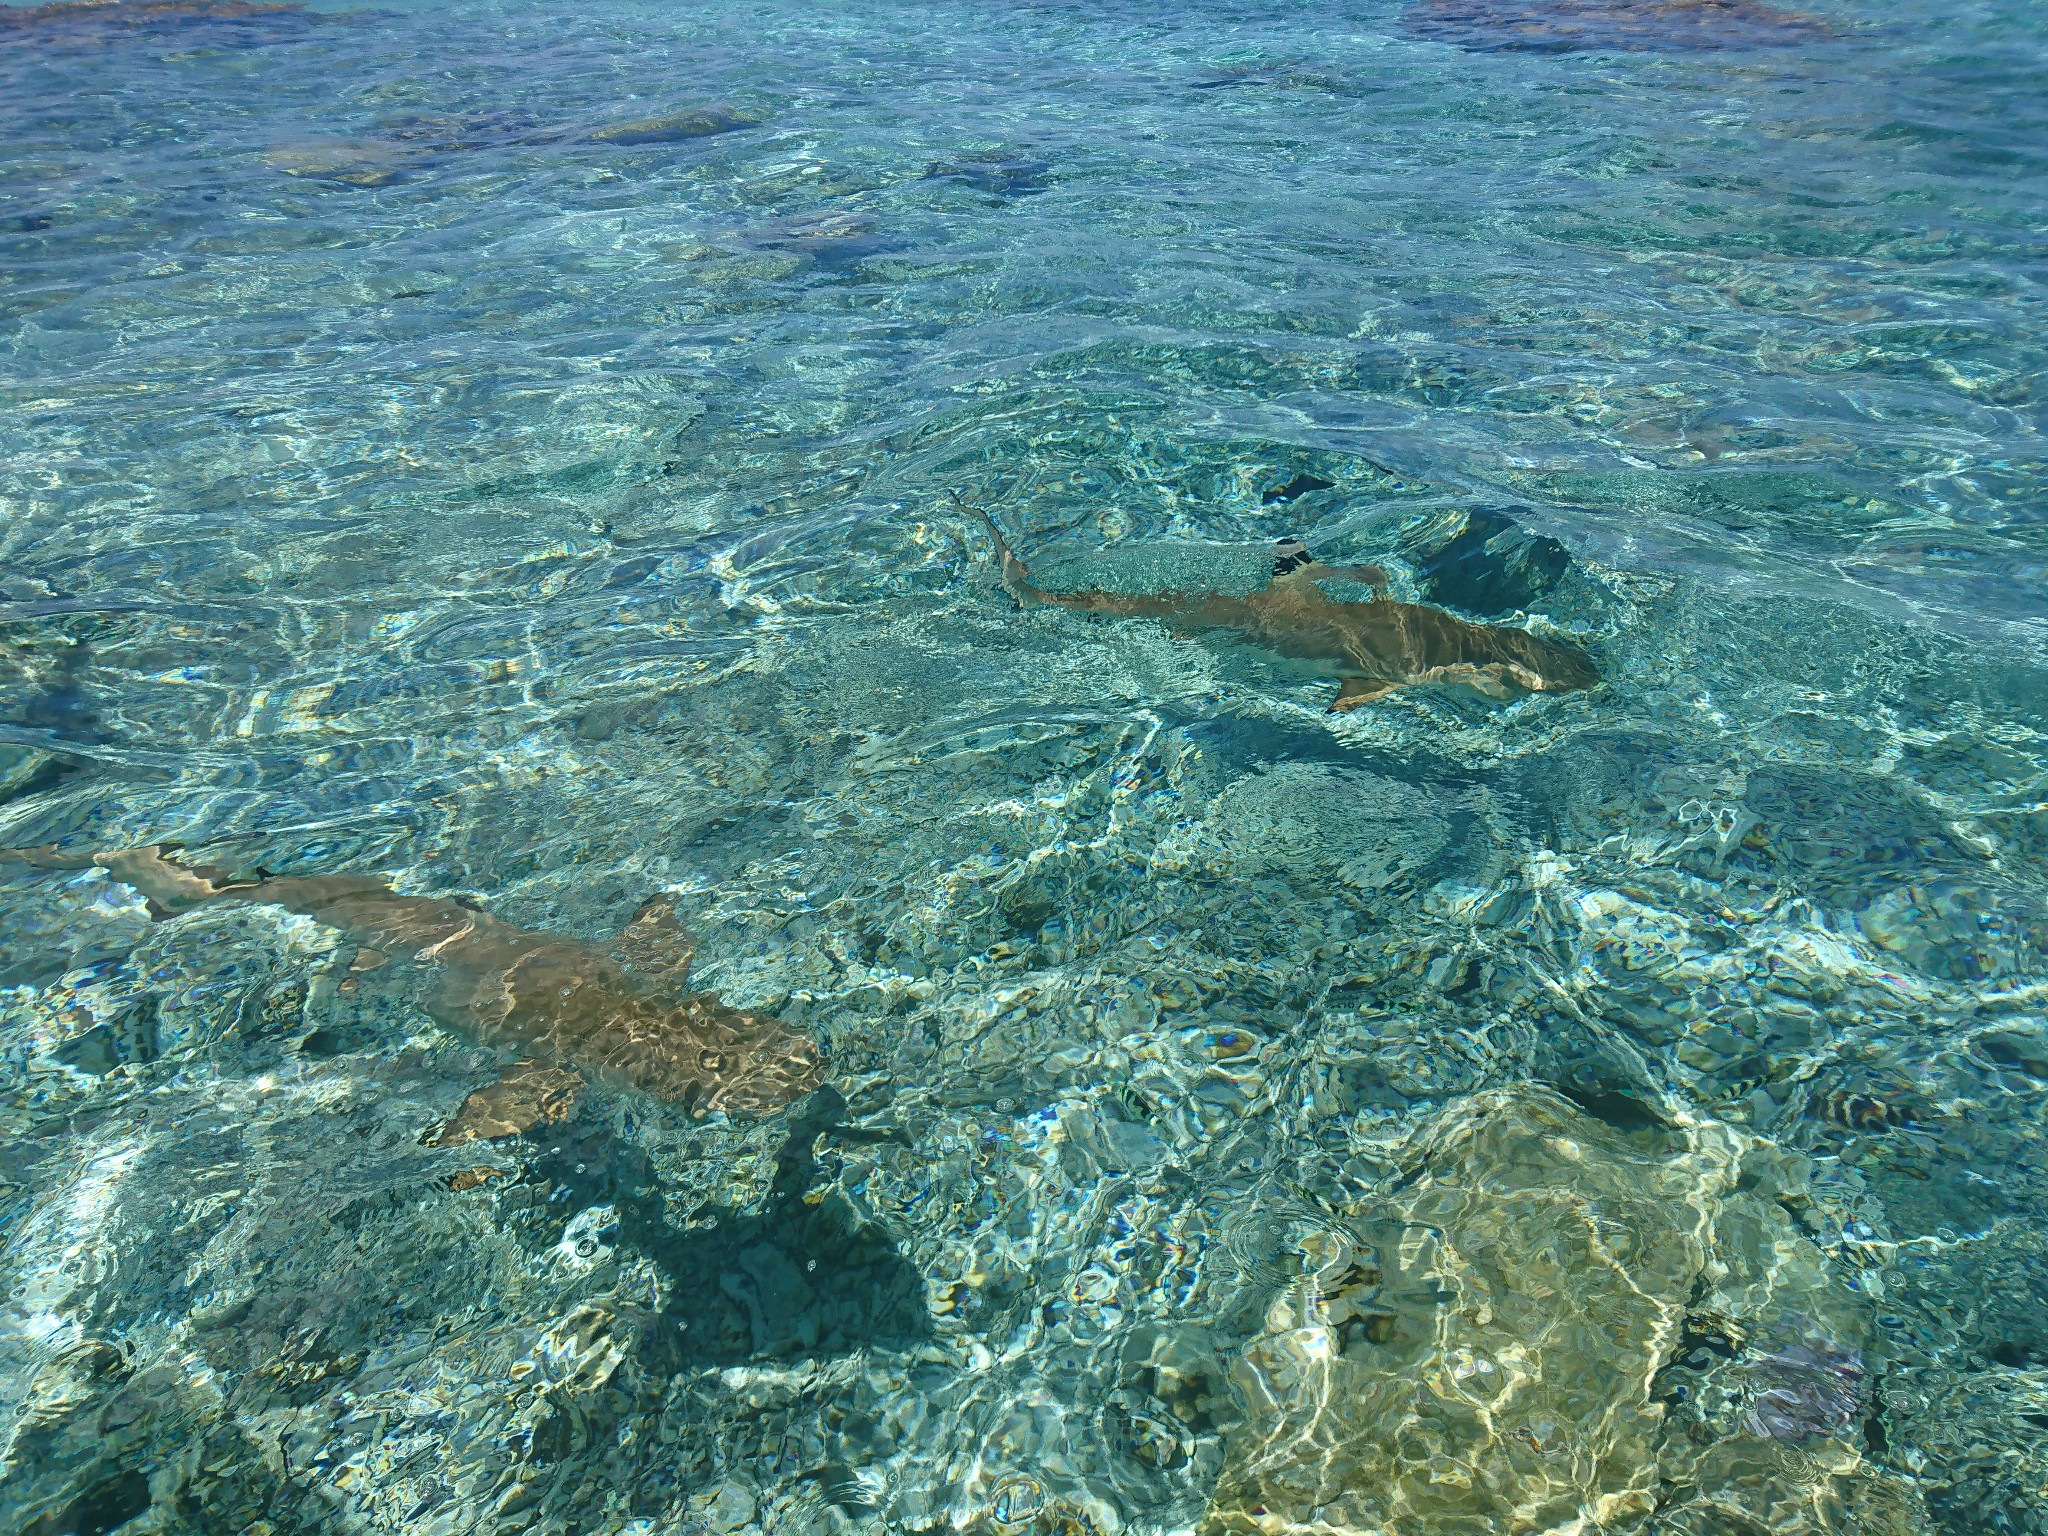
55, 711
803, 1277
253, 1404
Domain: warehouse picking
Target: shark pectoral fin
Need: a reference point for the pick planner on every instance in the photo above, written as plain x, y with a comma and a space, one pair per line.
1488, 678
526, 1094
1368, 576
654, 944
1496, 680
1358, 691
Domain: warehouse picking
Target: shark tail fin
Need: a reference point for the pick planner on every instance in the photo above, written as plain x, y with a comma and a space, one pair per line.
655, 945
1016, 575
170, 885
50, 856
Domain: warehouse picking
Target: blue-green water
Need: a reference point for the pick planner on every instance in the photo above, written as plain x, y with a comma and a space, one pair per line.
406, 472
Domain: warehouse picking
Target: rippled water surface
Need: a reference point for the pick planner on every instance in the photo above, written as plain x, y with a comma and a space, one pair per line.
503, 456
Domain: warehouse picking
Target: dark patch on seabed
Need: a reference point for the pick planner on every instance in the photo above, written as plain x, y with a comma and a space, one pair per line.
1300, 485
104, 1507
1491, 565
1001, 173
804, 1277
47, 709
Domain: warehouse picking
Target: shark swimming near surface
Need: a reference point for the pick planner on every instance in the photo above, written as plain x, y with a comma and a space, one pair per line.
96, 23
1636, 26
571, 1010
1373, 648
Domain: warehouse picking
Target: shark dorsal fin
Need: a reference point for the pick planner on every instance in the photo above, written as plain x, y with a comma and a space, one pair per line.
1290, 555
654, 945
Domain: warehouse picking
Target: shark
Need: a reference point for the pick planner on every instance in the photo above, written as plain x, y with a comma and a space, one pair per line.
1372, 648
1568, 26
570, 1011
91, 22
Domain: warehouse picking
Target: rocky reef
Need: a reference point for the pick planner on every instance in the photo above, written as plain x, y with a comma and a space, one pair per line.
1547, 1323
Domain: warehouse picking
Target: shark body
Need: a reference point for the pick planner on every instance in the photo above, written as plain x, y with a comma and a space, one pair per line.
1372, 648
1569, 26
570, 1010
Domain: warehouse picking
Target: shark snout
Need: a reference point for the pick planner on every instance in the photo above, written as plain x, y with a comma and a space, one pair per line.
1566, 668
1543, 665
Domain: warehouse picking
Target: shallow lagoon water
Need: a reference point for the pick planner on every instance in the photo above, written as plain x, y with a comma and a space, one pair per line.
508, 453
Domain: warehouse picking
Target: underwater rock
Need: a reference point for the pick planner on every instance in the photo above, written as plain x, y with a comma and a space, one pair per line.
1490, 565
1986, 1454
715, 267
1486, 1356
410, 144
26, 771
1300, 485
104, 1443
1635, 26
2003, 1270
1178, 1372
1328, 826
676, 127
418, 142
101, 1508
130, 1037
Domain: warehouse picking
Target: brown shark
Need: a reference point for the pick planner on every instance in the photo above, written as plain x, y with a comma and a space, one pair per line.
1372, 648
1566, 26
101, 21
568, 1009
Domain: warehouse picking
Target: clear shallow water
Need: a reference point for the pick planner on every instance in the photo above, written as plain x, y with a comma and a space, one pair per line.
554, 519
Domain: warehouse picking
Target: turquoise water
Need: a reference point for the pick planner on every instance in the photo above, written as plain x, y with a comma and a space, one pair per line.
413, 469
